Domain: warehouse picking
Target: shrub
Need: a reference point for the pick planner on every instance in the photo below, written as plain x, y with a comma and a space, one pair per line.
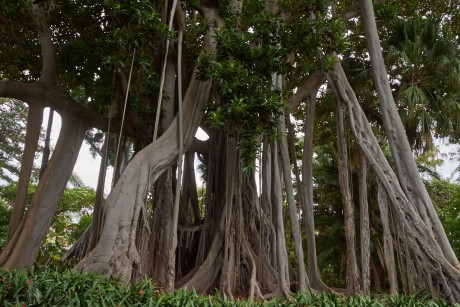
57, 287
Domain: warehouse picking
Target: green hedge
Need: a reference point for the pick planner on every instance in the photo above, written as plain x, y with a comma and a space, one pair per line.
67, 288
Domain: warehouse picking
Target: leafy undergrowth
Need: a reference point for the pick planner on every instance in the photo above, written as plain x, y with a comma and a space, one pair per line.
67, 288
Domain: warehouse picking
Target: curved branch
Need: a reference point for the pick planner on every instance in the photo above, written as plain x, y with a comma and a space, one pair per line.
55, 96
310, 87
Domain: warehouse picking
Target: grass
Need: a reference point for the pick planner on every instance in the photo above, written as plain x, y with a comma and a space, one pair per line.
54, 287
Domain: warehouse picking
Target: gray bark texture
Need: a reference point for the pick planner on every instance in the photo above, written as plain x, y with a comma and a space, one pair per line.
424, 252
21, 251
116, 252
352, 276
407, 171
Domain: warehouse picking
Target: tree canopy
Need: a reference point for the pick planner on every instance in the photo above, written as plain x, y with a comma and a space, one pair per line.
315, 111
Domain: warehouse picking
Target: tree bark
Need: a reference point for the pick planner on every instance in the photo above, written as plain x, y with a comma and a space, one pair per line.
293, 214
34, 122
352, 275
364, 225
46, 147
307, 193
388, 246
277, 198
97, 212
22, 252
160, 240
408, 174
424, 252
171, 264
111, 255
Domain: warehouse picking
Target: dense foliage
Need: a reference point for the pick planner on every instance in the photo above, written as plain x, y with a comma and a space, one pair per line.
71, 219
66, 288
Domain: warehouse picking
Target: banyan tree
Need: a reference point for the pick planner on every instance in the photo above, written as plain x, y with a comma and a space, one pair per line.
149, 74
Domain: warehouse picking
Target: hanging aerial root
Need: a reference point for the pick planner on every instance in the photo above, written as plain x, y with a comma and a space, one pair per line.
420, 242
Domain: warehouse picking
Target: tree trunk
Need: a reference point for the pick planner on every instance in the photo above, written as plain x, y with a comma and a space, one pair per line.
388, 246
115, 255
423, 251
97, 212
229, 247
281, 249
303, 283
161, 245
34, 122
352, 275
24, 247
159, 242
307, 195
364, 225
408, 174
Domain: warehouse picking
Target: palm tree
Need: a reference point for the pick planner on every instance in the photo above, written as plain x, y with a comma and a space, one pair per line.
425, 69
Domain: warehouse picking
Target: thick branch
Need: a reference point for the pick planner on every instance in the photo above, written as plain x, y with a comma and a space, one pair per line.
49, 73
309, 88
55, 96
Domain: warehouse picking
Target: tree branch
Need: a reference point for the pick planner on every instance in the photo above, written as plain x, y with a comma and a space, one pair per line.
311, 86
49, 73
56, 97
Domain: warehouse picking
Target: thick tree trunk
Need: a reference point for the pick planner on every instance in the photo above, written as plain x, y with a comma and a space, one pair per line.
352, 276
160, 240
34, 122
229, 248
24, 246
115, 254
408, 174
